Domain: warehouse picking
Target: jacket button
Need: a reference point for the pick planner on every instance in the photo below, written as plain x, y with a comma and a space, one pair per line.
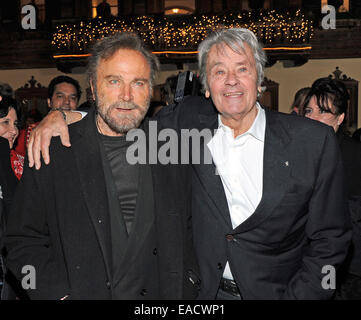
155, 251
108, 284
219, 266
192, 277
143, 292
229, 237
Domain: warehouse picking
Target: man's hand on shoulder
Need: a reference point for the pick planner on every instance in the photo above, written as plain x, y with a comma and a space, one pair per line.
52, 125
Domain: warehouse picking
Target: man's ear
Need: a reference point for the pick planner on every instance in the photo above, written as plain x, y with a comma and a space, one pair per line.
207, 94
49, 103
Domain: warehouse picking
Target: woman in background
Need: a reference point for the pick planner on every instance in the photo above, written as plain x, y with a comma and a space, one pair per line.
8, 160
327, 102
11, 164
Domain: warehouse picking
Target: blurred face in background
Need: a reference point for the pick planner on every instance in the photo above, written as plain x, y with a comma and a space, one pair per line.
64, 97
8, 127
329, 117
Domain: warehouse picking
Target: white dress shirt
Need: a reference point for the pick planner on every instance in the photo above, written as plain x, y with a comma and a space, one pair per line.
239, 162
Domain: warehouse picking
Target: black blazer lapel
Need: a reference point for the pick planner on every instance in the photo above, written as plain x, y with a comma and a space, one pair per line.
207, 172
89, 164
276, 171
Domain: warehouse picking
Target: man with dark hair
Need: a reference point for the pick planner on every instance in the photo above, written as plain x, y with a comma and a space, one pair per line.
92, 225
63, 93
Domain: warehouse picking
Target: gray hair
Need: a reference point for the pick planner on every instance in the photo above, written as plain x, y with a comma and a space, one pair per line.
235, 39
106, 47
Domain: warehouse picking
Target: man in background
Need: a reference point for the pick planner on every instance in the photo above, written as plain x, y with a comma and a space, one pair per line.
63, 92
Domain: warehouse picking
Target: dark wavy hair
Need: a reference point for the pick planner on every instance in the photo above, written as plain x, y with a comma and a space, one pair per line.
62, 79
6, 104
329, 90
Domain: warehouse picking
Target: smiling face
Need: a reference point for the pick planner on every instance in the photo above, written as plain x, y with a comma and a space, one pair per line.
232, 83
8, 127
122, 92
64, 97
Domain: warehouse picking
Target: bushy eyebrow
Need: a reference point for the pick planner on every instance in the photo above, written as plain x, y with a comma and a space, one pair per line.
112, 76
120, 77
141, 79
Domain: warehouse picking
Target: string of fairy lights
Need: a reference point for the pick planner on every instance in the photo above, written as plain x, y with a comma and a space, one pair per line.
185, 32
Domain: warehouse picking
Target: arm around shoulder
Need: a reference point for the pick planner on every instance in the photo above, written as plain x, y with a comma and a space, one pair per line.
54, 124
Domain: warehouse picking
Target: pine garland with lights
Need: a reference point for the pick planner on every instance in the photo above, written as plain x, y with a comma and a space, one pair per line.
186, 31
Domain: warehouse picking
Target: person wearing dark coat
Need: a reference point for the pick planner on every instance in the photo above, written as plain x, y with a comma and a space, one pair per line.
269, 211
271, 253
327, 102
10, 165
92, 225
8, 181
8, 134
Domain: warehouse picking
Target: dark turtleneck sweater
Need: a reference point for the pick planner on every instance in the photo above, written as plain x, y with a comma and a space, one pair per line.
126, 176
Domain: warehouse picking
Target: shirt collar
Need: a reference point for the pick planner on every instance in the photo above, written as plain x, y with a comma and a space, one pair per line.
257, 129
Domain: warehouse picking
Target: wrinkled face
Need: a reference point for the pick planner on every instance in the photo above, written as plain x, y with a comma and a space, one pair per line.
64, 97
232, 81
8, 127
122, 92
312, 111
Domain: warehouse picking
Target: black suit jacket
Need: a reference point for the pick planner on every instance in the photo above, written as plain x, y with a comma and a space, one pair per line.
8, 183
301, 224
60, 224
8, 180
351, 156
